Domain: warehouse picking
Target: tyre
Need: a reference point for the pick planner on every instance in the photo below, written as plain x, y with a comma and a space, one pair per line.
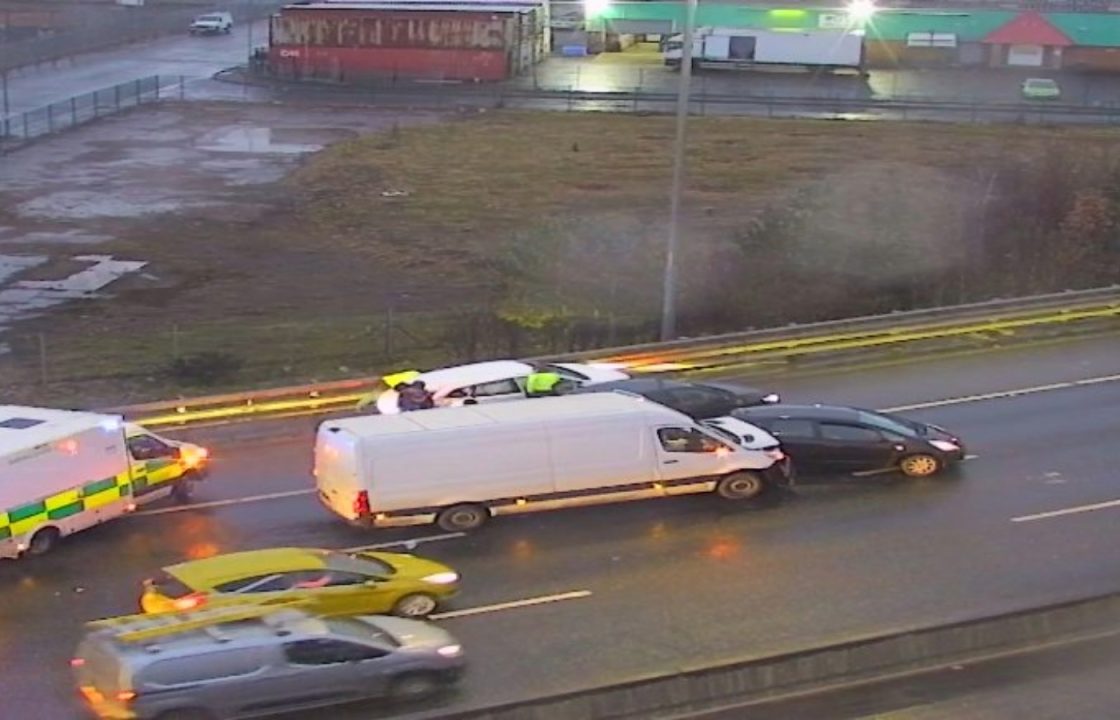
415, 605
740, 486
413, 686
919, 465
182, 490
462, 518
43, 541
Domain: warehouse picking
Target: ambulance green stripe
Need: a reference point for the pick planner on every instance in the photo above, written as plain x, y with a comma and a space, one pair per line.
5, 532
22, 513
66, 510
99, 487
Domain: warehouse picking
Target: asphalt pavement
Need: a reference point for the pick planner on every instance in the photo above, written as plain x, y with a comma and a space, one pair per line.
640, 588
193, 57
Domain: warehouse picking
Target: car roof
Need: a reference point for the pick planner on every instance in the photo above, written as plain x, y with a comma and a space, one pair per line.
806, 412
220, 568
638, 385
475, 373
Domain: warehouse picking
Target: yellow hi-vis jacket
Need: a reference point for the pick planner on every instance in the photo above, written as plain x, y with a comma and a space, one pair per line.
542, 383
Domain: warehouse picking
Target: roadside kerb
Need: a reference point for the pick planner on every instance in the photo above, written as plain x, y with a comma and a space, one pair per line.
839, 341
678, 692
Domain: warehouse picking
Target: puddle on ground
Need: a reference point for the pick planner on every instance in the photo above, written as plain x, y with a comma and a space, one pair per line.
256, 140
12, 264
60, 237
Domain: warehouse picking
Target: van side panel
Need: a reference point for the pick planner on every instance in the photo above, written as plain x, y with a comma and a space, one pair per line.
599, 452
467, 464
336, 470
69, 462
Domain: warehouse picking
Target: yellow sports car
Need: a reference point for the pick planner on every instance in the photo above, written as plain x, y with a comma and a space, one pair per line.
327, 582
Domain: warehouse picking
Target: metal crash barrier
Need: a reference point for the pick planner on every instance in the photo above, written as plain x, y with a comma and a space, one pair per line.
757, 350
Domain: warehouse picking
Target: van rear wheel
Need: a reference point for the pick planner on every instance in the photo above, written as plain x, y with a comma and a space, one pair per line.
462, 518
43, 541
740, 486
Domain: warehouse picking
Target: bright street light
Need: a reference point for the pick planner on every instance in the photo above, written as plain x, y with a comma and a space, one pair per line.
595, 8
860, 11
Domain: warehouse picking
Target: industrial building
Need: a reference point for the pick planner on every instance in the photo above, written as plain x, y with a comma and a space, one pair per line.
407, 39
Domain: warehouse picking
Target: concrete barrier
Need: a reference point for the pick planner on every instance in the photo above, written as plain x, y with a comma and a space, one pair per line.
701, 689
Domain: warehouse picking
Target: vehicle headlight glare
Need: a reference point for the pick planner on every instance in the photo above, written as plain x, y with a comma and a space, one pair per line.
442, 578
450, 650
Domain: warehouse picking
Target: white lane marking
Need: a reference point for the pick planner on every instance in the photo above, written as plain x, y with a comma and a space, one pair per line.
223, 503
1067, 511
409, 543
1005, 393
881, 471
528, 602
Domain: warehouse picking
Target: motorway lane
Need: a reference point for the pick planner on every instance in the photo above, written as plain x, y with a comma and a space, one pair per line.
192, 57
683, 581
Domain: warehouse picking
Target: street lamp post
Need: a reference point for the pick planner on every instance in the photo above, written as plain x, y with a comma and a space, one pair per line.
5, 108
669, 292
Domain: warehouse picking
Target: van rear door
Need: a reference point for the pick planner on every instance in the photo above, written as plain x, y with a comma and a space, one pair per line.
338, 470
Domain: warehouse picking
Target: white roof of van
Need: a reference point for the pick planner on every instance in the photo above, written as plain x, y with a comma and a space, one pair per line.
26, 427
512, 412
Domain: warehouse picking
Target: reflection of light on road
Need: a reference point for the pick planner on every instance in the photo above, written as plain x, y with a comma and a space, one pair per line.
723, 549
202, 550
27, 583
659, 531
523, 550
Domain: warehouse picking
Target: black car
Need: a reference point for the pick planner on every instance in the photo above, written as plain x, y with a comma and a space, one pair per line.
698, 400
832, 439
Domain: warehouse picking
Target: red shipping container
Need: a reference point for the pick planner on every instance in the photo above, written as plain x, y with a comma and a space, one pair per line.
349, 44
356, 64
361, 27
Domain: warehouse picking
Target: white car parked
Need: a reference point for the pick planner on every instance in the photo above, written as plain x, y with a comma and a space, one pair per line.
497, 380
212, 24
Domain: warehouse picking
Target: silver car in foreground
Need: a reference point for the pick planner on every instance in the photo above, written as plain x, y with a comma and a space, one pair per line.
227, 663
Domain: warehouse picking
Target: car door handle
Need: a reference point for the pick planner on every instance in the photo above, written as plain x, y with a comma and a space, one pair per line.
669, 462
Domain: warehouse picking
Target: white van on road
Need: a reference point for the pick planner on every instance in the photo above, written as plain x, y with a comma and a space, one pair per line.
458, 466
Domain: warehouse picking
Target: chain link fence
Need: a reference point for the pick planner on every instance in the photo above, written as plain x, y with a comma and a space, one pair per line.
242, 353
18, 130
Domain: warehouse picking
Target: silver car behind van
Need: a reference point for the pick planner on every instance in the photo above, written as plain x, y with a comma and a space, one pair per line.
254, 662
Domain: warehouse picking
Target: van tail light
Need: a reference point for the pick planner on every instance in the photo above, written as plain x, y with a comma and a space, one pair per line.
361, 504
190, 602
77, 662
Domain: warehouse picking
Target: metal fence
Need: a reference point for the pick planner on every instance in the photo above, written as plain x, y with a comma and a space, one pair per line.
18, 130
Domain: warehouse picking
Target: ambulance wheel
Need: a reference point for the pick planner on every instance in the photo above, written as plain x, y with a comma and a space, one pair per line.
740, 486
43, 541
462, 518
182, 491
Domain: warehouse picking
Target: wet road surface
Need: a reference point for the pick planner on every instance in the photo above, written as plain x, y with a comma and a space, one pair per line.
646, 587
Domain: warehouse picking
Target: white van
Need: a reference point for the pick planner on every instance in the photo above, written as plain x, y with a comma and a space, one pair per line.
458, 466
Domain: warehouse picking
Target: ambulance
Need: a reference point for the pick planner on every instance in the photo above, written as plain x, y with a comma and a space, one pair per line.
63, 471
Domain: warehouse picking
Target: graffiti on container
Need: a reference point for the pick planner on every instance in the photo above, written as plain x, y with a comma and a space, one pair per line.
443, 30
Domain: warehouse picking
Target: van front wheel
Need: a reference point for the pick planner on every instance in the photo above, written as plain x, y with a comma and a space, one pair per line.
740, 486
462, 518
